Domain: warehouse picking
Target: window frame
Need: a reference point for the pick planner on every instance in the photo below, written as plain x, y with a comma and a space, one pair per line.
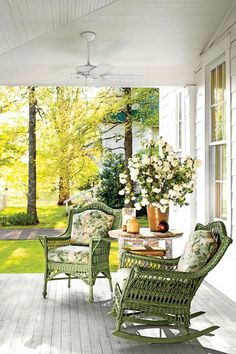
216, 57
179, 114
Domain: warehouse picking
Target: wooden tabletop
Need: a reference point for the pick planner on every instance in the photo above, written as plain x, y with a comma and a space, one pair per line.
145, 233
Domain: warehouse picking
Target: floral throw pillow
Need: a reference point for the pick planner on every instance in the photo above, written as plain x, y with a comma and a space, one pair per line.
199, 248
90, 223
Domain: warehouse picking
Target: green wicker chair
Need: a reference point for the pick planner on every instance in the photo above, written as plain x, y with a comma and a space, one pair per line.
156, 294
97, 259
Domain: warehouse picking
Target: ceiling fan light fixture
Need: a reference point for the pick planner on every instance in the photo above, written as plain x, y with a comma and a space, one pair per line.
84, 69
88, 35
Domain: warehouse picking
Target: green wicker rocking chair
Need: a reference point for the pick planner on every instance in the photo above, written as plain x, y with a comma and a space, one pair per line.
155, 293
80, 261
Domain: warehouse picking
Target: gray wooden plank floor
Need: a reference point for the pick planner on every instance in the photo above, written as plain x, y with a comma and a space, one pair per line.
66, 323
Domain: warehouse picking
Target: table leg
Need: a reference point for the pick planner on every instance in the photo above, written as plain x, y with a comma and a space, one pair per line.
121, 246
169, 248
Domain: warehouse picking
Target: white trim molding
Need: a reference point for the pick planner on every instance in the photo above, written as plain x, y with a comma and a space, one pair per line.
212, 57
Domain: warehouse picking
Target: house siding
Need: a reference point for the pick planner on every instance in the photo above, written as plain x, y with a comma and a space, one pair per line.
197, 146
219, 276
180, 218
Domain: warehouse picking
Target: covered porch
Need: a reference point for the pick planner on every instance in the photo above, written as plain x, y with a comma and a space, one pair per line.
67, 323
148, 44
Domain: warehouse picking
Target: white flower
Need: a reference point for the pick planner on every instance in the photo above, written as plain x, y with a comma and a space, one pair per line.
144, 201
197, 163
122, 192
168, 148
177, 188
163, 209
164, 201
135, 159
122, 181
149, 180
174, 163
127, 201
161, 143
137, 206
143, 191
122, 176
145, 159
166, 167
172, 193
156, 190
189, 162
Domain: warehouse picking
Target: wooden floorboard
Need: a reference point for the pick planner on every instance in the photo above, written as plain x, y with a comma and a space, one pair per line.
66, 323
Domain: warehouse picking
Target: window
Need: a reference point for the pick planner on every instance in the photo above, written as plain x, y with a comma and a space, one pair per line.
179, 122
218, 169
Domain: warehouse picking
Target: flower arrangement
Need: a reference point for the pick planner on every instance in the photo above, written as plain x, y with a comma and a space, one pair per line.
157, 176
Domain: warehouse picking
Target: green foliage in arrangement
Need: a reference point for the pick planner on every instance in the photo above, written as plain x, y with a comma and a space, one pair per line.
110, 186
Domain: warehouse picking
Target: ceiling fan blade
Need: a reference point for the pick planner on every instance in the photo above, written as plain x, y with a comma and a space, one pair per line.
123, 77
101, 70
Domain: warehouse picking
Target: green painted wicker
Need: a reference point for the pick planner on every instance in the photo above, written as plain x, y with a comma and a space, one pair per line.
99, 250
155, 289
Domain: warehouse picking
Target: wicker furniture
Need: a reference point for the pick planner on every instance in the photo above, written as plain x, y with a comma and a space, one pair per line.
145, 236
94, 257
154, 288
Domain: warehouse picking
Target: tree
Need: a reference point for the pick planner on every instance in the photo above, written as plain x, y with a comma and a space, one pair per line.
31, 203
110, 185
131, 105
70, 134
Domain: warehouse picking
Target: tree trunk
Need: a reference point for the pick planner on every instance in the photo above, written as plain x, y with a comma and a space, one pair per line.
128, 143
128, 137
64, 191
31, 206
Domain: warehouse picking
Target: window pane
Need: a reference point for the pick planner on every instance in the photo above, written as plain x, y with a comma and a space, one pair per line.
180, 136
217, 200
217, 163
224, 202
218, 111
224, 162
213, 86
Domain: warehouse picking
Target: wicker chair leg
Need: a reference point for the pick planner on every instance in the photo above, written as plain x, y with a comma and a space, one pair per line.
45, 286
110, 283
91, 299
68, 280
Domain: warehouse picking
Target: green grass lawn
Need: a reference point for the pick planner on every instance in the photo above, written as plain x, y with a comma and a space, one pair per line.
28, 256
49, 216
19, 256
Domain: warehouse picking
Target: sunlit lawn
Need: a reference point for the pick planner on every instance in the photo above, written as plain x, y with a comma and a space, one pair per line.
19, 256
28, 257
49, 216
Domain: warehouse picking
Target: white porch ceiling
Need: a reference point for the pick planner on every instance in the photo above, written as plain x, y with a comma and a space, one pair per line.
158, 39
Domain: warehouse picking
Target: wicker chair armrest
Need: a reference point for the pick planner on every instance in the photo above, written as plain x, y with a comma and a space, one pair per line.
55, 241
129, 260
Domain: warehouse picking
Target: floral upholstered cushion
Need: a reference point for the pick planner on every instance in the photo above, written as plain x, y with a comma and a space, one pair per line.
90, 223
200, 247
69, 254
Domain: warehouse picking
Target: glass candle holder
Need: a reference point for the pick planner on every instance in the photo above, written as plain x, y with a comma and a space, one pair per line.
127, 213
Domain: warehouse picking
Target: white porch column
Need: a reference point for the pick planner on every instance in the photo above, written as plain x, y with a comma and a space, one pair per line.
189, 141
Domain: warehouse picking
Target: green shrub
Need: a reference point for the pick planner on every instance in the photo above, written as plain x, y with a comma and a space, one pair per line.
22, 219
110, 186
3, 220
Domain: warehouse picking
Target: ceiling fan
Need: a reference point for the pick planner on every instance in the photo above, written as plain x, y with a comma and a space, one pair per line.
102, 71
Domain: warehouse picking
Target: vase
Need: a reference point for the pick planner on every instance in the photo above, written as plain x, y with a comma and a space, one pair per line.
155, 216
